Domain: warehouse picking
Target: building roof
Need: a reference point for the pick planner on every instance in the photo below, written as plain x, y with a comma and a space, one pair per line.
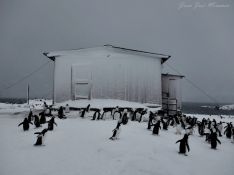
173, 75
53, 55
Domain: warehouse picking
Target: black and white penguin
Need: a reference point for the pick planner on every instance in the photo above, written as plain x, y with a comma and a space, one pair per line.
116, 114
213, 140
36, 121
96, 114
151, 117
51, 124
116, 132
125, 117
67, 108
228, 130
40, 137
184, 144
165, 124
42, 117
156, 128
61, 113
232, 134
25, 124
143, 112
30, 115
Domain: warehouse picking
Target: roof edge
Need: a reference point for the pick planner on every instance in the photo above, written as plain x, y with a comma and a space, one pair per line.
162, 56
174, 75
50, 57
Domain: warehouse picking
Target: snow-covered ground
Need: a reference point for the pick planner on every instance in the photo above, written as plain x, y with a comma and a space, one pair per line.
224, 107
227, 107
36, 104
81, 147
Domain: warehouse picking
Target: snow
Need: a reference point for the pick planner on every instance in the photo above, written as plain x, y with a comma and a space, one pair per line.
224, 107
36, 104
81, 146
227, 107
100, 103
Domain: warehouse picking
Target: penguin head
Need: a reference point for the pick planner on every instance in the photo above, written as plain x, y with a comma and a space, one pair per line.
186, 136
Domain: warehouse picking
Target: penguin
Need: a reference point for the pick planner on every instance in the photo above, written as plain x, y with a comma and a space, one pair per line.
125, 117
214, 140
178, 129
200, 128
37, 121
40, 137
25, 124
220, 128
45, 106
30, 116
116, 114
190, 130
48, 111
51, 124
87, 108
156, 128
116, 131
228, 130
165, 124
96, 114
151, 116
183, 145
232, 134
42, 117
61, 113
67, 109
143, 112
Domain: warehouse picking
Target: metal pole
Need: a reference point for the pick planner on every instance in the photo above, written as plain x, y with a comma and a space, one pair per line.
28, 94
53, 94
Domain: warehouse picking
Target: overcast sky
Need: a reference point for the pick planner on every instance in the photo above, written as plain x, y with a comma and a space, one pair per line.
198, 34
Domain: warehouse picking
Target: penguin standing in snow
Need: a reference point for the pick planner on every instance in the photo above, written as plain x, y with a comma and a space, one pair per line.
36, 121
25, 124
61, 113
184, 144
97, 114
30, 116
116, 131
151, 116
51, 124
40, 137
67, 108
232, 134
116, 113
42, 117
156, 128
125, 117
214, 140
228, 130
220, 128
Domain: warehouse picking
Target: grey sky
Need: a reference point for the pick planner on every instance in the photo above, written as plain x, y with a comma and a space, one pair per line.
199, 37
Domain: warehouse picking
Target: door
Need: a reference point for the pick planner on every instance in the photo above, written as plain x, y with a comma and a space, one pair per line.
81, 77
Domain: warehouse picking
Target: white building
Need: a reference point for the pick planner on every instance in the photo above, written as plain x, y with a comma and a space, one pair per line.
108, 72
